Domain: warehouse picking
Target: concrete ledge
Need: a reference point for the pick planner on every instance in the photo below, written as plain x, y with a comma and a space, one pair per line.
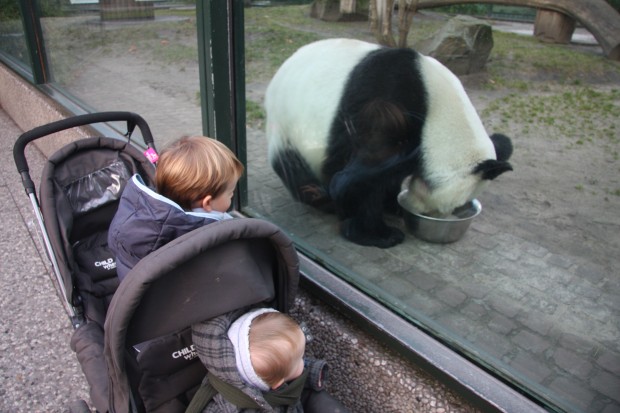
425, 368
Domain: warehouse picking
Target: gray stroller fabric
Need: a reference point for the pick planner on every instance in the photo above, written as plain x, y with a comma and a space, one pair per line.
207, 272
78, 201
87, 343
80, 187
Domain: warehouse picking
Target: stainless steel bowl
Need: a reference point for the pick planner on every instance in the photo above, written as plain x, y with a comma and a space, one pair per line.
439, 230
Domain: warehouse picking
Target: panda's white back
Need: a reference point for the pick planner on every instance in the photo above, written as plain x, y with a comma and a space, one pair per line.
452, 122
454, 139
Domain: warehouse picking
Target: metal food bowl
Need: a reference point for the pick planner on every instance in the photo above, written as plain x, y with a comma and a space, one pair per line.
439, 230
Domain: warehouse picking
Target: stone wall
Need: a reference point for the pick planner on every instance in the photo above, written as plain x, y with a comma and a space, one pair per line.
29, 108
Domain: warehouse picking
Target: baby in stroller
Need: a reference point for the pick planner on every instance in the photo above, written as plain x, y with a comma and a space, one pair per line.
256, 361
195, 178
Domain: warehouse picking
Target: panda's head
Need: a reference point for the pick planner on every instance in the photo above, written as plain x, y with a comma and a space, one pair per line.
459, 158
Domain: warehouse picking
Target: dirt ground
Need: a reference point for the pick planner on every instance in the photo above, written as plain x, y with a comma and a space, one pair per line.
566, 177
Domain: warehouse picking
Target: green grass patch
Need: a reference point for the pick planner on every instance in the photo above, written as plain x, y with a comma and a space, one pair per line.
272, 34
164, 53
581, 115
254, 113
517, 59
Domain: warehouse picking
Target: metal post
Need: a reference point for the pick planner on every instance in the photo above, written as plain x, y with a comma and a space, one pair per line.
34, 40
222, 76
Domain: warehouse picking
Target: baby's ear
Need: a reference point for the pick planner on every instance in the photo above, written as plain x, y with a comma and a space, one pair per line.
278, 384
206, 203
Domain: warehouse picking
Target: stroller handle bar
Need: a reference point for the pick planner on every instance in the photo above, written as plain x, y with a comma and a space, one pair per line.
19, 148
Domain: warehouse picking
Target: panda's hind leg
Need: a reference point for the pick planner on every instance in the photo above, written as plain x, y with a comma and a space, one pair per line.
299, 179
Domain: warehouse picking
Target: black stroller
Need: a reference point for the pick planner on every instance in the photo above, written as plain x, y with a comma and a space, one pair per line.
134, 342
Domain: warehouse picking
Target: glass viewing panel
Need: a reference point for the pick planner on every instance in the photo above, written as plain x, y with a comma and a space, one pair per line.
127, 55
532, 289
530, 292
12, 37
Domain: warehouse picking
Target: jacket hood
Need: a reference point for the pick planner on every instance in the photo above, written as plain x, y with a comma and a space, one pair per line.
217, 353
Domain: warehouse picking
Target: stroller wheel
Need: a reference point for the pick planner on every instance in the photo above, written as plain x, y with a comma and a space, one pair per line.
78, 406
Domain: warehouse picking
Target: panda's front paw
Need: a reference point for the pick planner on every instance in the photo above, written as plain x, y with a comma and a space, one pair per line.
383, 237
393, 237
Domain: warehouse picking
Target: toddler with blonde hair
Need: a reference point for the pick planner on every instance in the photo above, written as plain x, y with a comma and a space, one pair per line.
195, 182
196, 172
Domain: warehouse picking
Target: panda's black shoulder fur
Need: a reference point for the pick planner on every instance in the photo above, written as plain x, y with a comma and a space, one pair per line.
381, 111
385, 72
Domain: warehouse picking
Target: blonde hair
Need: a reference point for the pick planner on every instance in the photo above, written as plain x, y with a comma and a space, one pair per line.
193, 167
274, 342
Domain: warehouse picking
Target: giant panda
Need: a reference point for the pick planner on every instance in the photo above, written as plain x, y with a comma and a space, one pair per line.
347, 121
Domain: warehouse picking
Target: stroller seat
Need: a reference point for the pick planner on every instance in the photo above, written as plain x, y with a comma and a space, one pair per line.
81, 185
80, 191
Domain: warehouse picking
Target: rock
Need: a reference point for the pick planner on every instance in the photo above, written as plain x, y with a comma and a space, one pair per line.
463, 44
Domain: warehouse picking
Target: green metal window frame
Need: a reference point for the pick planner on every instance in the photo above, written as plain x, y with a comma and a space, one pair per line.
222, 77
35, 41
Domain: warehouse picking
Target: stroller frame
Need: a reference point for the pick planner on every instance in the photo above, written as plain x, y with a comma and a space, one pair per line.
130, 353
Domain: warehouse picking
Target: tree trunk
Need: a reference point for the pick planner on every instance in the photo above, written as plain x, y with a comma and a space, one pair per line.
406, 10
337, 10
381, 21
348, 6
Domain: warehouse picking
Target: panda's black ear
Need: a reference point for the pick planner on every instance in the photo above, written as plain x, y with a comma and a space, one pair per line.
491, 169
503, 146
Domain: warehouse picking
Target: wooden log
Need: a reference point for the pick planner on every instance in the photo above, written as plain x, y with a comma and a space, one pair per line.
553, 27
602, 20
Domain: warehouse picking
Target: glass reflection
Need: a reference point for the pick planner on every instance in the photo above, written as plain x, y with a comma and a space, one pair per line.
138, 56
12, 38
